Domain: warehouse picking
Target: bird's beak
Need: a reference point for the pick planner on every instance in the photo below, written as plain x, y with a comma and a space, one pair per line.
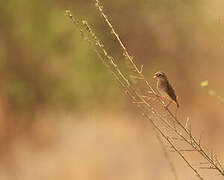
154, 76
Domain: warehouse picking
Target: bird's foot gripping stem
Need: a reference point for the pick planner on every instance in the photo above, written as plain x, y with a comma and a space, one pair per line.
166, 106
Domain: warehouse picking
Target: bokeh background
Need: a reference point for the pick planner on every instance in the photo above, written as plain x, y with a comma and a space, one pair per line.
62, 116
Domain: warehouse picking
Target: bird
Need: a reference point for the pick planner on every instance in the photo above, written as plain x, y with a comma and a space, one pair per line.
165, 88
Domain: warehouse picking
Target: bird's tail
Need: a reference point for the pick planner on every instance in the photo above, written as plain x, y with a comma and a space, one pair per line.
177, 102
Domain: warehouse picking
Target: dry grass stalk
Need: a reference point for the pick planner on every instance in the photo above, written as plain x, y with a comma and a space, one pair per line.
169, 127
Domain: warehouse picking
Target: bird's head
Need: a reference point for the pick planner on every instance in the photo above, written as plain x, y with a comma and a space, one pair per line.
160, 75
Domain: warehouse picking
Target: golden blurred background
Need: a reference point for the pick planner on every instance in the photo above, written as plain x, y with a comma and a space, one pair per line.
62, 116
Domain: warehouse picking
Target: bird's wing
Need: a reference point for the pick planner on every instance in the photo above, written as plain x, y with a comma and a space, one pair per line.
171, 92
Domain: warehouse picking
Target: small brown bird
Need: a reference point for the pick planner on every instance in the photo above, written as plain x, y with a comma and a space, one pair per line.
165, 89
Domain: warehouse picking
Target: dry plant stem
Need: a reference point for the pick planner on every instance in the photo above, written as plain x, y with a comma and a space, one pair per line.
82, 33
126, 54
193, 142
128, 90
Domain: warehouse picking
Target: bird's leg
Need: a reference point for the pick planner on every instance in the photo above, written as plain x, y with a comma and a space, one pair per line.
166, 107
162, 98
157, 96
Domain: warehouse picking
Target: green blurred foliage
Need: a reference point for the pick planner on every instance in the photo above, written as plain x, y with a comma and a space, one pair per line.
45, 61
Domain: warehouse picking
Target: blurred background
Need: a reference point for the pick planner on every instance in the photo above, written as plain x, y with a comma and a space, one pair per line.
62, 116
